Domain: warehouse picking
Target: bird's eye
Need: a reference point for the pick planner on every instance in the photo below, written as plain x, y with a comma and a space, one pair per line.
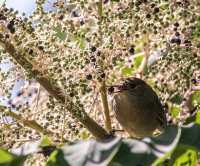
130, 84
111, 90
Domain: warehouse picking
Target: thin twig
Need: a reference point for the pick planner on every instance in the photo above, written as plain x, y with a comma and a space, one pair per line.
29, 123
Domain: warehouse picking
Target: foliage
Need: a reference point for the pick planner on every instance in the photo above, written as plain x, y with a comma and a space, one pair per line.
118, 151
70, 55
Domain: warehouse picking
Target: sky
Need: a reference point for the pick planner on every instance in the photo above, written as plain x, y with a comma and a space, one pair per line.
26, 6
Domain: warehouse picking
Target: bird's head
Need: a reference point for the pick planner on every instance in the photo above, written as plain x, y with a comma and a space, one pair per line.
127, 84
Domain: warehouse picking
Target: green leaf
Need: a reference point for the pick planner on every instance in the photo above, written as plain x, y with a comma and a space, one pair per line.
184, 155
127, 71
194, 118
138, 60
174, 110
61, 35
46, 142
5, 156
179, 144
8, 159
84, 134
57, 159
197, 117
196, 98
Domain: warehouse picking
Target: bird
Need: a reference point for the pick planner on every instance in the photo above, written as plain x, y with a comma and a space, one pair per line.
137, 108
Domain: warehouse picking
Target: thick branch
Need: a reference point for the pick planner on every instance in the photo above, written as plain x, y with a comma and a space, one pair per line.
56, 92
106, 107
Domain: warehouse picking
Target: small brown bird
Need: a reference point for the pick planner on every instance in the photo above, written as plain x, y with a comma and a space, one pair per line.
138, 108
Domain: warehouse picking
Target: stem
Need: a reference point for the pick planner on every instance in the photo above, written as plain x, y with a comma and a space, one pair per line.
103, 91
146, 56
29, 123
95, 129
106, 107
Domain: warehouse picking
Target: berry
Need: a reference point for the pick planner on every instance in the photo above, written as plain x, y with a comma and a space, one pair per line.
11, 27
93, 49
61, 17
103, 75
2, 17
71, 94
89, 77
176, 24
74, 14
19, 94
176, 40
156, 10
148, 15
131, 49
177, 34
93, 59
194, 81
41, 48
82, 22
30, 51
105, 1
98, 53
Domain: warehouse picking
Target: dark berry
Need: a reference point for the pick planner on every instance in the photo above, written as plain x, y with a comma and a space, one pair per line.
74, 14
19, 94
93, 48
131, 50
82, 22
89, 77
103, 75
30, 51
153, 5
61, 17
176, 24
175, 29
177, 34
29, 94
10, 102
41, 48
194, 81
105, 1
187, 42
93, 59
71, 94
176, 41
2, 17
47, 150
156, 10
148, 15
11, 27
7, 36
98, 53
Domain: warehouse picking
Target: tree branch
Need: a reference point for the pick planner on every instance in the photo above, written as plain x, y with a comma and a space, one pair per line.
29, 123
95, 129
103, 91
105, 106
